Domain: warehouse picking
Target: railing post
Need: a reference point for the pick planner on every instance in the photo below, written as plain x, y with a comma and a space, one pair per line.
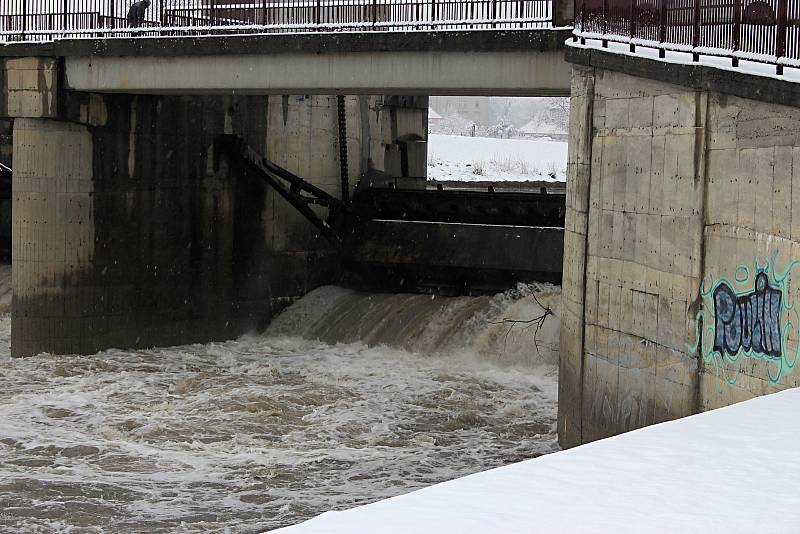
433, 12
64, 21
632, 26
24, 18
737, 31
604, 41
662, 28
696, 30
264, 13
780, 37
563, 12
374, 13
494, 13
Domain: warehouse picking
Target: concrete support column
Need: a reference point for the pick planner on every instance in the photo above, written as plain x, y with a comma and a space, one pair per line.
633, 260
53, 239
579, 170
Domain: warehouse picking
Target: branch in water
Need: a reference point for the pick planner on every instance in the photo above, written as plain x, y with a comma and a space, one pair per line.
537, 321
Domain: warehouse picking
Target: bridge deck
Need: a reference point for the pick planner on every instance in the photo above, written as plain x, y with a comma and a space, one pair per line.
477, 62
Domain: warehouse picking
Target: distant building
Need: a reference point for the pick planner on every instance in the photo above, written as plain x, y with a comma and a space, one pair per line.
476, 109
433, 117
537, 129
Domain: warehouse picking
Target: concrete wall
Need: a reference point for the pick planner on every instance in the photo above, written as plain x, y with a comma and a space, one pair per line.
303, 137
130, 230
674, 192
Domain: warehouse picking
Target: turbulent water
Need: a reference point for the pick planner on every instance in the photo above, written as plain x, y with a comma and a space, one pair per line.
269, 430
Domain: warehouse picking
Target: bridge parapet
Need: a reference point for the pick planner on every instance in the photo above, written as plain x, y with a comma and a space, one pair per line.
758, 31
36, 20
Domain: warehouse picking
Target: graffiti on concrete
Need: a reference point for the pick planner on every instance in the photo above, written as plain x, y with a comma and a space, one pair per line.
750, 317
748, 322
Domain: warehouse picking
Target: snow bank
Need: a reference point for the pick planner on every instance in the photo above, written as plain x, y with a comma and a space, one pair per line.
729, 470
454, 157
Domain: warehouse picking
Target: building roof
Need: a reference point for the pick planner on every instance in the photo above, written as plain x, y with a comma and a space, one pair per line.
537, 127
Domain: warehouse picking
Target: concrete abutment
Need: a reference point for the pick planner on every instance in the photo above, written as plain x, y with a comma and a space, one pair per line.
674, 190
131, 230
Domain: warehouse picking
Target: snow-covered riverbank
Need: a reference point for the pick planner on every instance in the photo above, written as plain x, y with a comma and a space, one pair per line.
732, 470
453, 157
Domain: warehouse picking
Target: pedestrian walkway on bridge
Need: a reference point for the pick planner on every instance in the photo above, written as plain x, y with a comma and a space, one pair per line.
36, 20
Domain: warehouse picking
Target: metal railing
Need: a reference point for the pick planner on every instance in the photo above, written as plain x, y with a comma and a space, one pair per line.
26, 20
761, 31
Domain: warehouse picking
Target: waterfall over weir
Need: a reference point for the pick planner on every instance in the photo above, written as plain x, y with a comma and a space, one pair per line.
518, 327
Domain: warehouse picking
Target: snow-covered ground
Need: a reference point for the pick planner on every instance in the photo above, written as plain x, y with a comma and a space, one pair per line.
731, 470
453, 157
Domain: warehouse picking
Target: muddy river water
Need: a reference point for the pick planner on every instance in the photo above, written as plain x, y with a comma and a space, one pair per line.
347, 399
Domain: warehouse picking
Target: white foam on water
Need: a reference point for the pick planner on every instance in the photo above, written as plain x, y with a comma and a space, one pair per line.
269, 430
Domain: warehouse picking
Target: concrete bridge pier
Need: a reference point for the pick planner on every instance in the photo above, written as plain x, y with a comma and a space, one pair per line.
129, 231
681, 244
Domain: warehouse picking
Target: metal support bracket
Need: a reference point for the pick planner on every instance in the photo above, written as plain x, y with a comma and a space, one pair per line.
298, 192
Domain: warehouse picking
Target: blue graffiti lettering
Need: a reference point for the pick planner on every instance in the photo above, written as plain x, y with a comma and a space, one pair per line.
749, 322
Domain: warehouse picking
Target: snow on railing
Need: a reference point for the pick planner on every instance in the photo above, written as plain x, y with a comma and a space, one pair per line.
38, 20
761, 31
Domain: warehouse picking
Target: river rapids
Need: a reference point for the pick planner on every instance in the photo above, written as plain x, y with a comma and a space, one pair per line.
348, 398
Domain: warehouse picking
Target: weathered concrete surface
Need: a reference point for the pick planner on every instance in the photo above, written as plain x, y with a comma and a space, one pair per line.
30, 87
521, 73
130, 230
570, 376
672, 191
303, 138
